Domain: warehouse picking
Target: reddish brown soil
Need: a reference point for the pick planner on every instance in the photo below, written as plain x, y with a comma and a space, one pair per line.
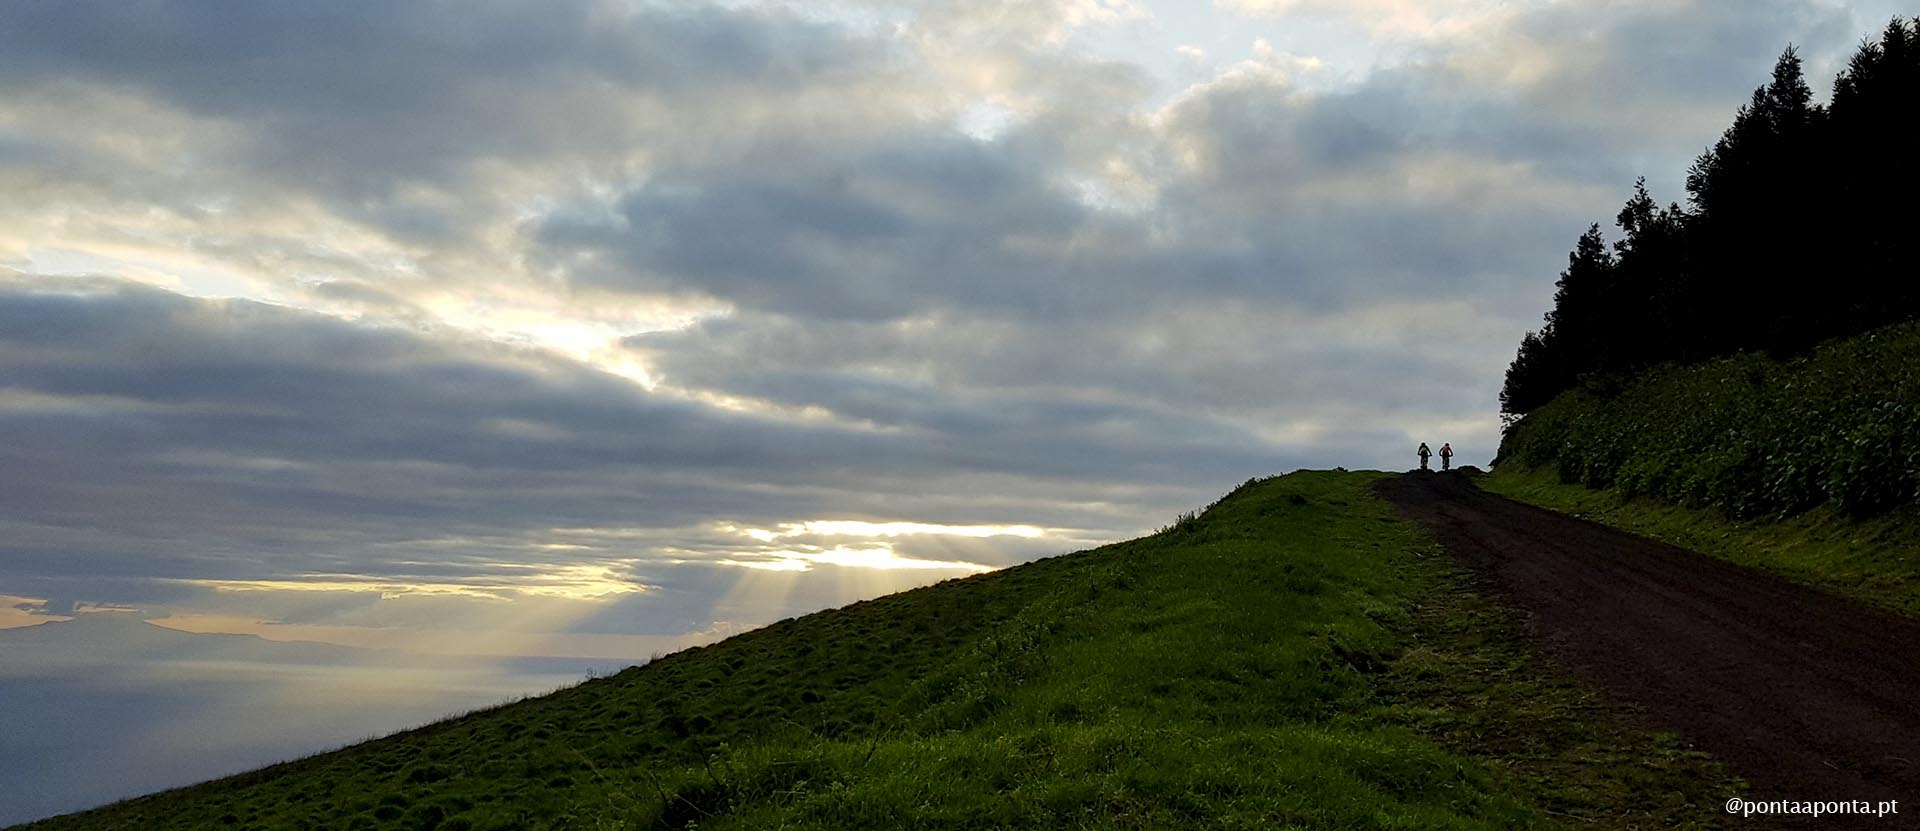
1804, 695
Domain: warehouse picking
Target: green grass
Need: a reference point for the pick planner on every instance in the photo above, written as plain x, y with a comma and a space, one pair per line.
1876, 561
1295, 657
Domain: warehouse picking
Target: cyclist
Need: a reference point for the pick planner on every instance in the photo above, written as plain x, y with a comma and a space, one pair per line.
1424, 453
1446, 456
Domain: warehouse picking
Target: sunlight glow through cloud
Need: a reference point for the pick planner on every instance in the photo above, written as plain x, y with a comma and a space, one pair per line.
593, 337
18, 611
861, 528
1390, 18
881, 558
506, 581
878, 558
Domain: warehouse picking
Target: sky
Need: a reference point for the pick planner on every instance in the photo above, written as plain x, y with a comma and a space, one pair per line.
598, 328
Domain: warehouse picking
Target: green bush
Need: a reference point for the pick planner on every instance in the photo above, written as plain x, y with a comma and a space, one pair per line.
1746, 435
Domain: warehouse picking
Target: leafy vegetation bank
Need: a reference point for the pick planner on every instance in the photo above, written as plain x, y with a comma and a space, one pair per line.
1295, 657
1747, 435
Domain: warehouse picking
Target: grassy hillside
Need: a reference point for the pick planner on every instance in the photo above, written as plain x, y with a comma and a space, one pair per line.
1294, 657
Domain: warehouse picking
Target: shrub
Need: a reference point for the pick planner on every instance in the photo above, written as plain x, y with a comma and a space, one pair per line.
1746, 435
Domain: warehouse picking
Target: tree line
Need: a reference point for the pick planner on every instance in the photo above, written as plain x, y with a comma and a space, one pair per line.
1799, 227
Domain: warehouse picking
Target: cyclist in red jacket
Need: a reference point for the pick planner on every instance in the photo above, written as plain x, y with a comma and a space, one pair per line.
1446, 455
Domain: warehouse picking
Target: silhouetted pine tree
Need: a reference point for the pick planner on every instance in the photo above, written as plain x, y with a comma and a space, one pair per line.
1752, 193
1532, 380
1875, 175
1583, 300
1651, 278
1801, 228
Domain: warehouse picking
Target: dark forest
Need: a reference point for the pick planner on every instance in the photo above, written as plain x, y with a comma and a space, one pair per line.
1798, 228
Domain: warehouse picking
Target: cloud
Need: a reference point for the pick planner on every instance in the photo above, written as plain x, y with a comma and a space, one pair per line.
548, 306
1013, 23
371, 91
1393, 18
343, 473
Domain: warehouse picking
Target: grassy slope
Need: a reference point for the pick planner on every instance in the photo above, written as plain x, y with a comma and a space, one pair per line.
1296, 657
1874, 560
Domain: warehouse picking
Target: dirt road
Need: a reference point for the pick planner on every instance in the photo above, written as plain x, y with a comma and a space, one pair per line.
1804, 695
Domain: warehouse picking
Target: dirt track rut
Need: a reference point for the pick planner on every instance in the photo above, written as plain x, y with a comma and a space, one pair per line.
1805, 695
